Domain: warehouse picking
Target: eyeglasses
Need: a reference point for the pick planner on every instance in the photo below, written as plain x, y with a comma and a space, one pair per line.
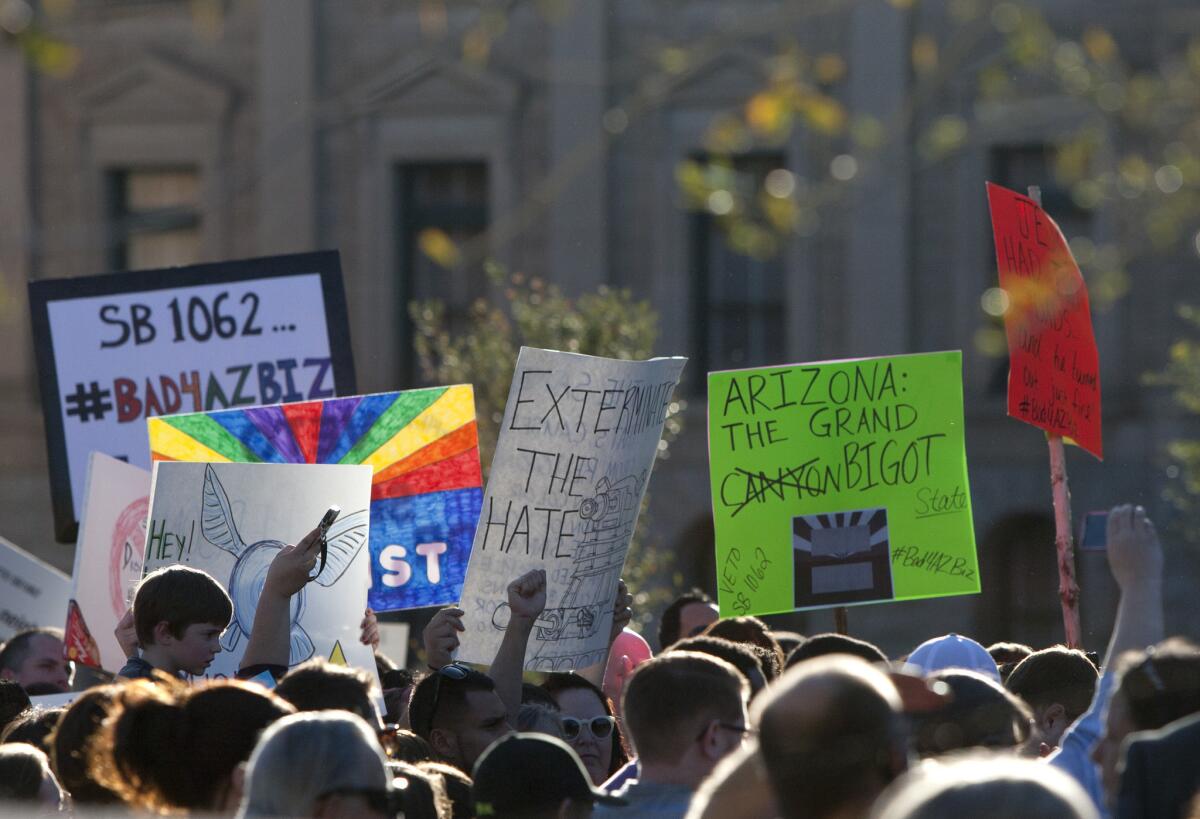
599, 727
455, 672
744, 730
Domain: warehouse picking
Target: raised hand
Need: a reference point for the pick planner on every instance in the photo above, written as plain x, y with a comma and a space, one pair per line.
527, 595
291, 568
126, 634
1134, 552
441, 636
369, 630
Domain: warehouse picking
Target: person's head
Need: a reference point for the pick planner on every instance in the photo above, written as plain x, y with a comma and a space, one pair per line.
822, 645
317, 763
831, 735
952, 652
33, 726
738, 655
13, 700
410, 748
738, 786
77, 727
168, 746
589, 724
788, 640
36, 656
688, 615
980, 714
397, 687
1153, 688
531, 776
457, 711
25, 776
984, 786
319, 685
1058, 684
179, 614
1007, 655
534, 718
684, 712
628, 651
753, 631
457, 786
418, 794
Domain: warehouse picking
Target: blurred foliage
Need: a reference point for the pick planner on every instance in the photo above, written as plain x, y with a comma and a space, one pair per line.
1182, 376
530, 312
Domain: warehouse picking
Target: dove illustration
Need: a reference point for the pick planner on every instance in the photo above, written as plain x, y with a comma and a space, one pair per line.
345, 538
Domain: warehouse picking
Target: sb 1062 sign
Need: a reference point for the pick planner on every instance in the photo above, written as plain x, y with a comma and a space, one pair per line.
114, 350
840, 483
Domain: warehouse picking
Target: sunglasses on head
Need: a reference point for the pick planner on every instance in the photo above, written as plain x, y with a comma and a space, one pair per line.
599, 727
455, 672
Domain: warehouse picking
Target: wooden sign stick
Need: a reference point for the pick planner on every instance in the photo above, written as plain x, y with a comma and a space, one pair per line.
1068, 589
839, 620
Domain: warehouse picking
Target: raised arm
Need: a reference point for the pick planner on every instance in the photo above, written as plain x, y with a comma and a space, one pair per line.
1135, 557
270, 636
440, 637
526, 602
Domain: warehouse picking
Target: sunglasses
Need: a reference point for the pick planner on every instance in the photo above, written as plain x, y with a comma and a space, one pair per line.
455, 672
599, 727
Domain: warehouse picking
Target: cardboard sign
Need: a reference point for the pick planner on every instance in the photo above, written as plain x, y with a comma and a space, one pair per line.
114, 350
232, 519
427, 485
33, 594
108, 560
577, 442
1054, 367
840, 482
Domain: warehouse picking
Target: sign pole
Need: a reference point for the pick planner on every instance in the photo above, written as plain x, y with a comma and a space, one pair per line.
1068, 589
840, 624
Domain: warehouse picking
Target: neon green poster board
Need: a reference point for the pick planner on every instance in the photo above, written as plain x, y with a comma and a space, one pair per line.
840, 483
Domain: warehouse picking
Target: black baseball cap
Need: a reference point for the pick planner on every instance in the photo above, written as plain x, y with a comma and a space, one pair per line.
528, 771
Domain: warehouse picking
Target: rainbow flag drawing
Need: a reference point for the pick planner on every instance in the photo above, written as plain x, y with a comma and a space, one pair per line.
426, 492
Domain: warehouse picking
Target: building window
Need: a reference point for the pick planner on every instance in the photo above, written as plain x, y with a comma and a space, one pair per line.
1016, 167
443, 212
154, 217
738, 307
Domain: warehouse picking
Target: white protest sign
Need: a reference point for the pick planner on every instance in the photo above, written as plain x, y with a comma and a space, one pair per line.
114, 350
108, 560
232, 519
577, 442
32, 593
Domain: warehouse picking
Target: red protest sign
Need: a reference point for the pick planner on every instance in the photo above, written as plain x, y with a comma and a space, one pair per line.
1054, 367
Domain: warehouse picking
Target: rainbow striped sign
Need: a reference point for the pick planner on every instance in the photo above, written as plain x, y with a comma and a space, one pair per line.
426, 491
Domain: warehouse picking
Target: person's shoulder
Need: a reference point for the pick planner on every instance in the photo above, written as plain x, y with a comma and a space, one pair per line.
136, 668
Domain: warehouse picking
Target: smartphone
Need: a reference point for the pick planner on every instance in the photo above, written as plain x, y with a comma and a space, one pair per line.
327, 520
1093, 532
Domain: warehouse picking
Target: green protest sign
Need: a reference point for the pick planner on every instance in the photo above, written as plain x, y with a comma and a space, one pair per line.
839, 483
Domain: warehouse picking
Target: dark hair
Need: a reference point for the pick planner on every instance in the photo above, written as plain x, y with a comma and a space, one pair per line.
537, 695
17, 649
1007, 656
788, 640
980, 715
457, 786
33, 726
319, 685
408, 747
668, 624
1055, 675
820, 645
669, 698
556, 682
754, 632
22, 769
450, 696
164, 745
69, 744
422, 796
1161, 684
738, 655
13, 700
383, 663
397, 678
182, 596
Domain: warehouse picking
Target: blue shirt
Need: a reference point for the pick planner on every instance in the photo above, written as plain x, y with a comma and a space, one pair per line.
649, 799
1074, 751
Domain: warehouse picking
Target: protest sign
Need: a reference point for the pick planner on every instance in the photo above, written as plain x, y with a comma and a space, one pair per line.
108, 560
1054, 366
32, 593
577, 442
113, 350
232, 519
839, 483
427, 486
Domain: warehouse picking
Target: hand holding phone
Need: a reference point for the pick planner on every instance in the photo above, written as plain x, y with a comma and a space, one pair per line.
322, 530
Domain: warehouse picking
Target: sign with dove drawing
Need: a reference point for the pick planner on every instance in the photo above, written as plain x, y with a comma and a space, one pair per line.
231, 520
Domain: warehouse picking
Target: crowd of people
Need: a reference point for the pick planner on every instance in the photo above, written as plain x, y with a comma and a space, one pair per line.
729, 719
